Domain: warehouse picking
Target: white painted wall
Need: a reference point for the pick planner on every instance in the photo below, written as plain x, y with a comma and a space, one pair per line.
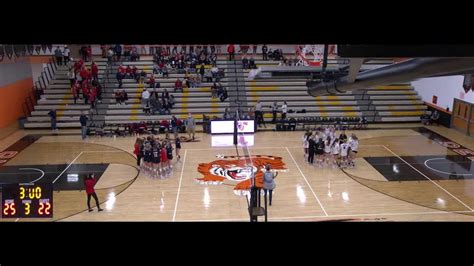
446, 88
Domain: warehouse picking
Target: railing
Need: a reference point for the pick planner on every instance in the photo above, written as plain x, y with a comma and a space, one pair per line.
45, 78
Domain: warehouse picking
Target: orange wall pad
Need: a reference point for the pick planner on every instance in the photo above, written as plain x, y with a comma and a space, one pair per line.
39, 59
12, 98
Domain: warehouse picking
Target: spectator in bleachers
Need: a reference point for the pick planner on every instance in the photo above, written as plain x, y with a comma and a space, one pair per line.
110, 55
243, 48
208, 75
254, 49
128, 72
75, 88
124, 97
259, 114
58, 54
84, 73
85, 91
284, 110
172, 101
92, 97
214, 91
231, 51
53, 116
134, 56
165, 95
274, 111
152, 81
264, 52
202, 70
118, 51
122, 69
88, 53
165, 71
66, 55
215, 72
224, 95
142, 76
245, 63
434, 117
178, 85
147, 109
134, 73
145, 97
213, 59
71, 76
213, 48
166, 105
252, 64
95, 71
83, 120
119, 77
118, 97
156, 68
155, 105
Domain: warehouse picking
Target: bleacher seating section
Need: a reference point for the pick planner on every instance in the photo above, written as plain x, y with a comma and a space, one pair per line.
393, 103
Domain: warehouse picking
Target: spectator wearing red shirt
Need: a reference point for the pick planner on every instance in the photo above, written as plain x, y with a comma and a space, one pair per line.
152, 81
75, 91
178, 85
122, 69
231, 51
85, 92
134, 72
89, 183
128, 72
84, 73
89, 52
95, 71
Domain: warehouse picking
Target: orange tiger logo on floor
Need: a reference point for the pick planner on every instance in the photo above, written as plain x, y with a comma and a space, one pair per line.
237, 170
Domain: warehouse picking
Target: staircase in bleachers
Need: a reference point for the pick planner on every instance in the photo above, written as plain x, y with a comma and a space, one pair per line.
58, 95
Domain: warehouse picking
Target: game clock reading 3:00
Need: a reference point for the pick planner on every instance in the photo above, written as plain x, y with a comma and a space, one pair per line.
27, 201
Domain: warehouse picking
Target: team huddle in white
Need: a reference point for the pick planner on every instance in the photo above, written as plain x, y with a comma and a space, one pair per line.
322, 148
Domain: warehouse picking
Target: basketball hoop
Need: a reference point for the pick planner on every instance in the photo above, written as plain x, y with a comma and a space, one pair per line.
310, 54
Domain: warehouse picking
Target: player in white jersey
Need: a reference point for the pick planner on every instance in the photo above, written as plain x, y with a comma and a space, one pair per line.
344, 153
327, 151
354, 148
335, 149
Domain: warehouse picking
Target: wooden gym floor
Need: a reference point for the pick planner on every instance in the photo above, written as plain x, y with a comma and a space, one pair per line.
400, 175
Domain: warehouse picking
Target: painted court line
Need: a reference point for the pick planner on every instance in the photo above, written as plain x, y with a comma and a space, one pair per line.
339, 215
36, 169
54, 181
429, 179
179, 187
301, 172
426, 164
